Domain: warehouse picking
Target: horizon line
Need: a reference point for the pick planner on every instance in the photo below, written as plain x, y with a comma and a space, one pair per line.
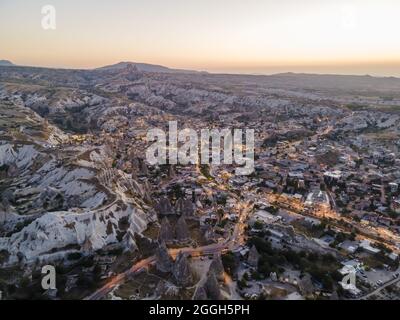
233, 73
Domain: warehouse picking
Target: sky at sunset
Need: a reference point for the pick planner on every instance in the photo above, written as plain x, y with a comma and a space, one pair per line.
235, 36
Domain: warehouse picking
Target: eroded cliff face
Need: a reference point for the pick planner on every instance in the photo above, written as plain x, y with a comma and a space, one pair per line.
58, 196
55, 234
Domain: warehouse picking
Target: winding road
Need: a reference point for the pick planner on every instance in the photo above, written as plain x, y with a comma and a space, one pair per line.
233, 242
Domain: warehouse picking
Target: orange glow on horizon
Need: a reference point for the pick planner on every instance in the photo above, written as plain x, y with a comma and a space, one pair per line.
256, 36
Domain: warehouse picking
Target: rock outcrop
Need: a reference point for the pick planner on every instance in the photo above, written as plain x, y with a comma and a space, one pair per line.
164, 261
46, 237
181, 271
87, 246
217, 267
50, 199
200, 294
184, 207
164, 207
166, 232
182, 230
146, 246
128, 242
167, 290
211, 287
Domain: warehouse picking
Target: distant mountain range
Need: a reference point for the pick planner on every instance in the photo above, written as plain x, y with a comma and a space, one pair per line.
306, 80
6, 63
145, 67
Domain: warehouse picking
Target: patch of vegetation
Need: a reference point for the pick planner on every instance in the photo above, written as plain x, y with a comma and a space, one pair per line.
323, 268
229, 262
